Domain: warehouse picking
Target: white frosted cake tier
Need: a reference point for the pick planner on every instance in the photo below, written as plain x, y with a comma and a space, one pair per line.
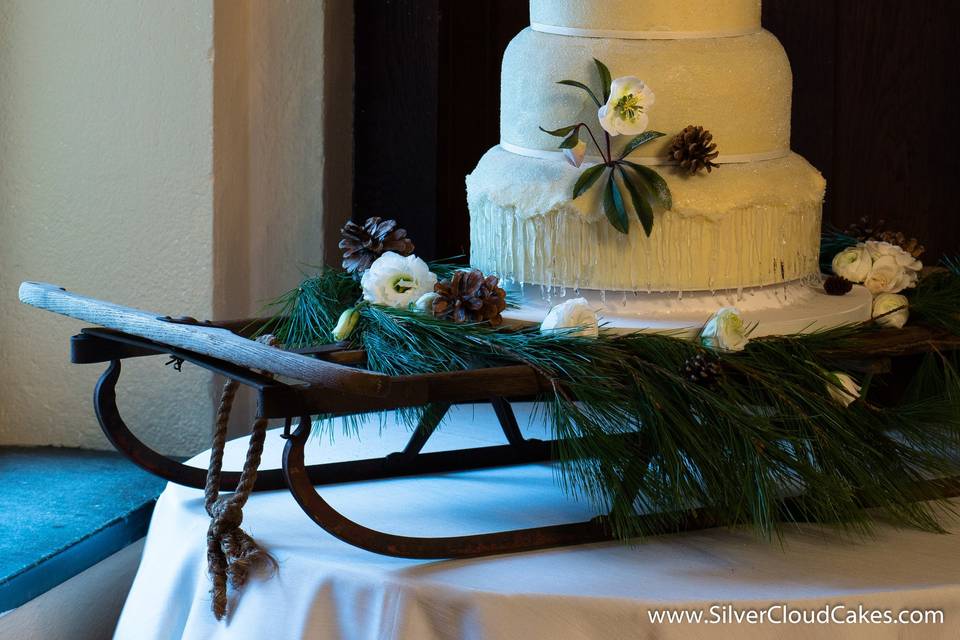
648, 18
739, 88
744, 225
781, 309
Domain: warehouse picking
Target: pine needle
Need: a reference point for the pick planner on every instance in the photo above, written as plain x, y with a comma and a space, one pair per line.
767, 445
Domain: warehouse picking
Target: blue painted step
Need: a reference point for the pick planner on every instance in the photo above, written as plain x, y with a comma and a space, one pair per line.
64, 510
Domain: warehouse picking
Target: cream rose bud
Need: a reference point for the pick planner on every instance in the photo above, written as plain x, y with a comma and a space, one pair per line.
725, 331
887, 275
891, 310
575, 155
625, 112
853, 264
346, 324
396, 281
844, 389
424, 303
572, 313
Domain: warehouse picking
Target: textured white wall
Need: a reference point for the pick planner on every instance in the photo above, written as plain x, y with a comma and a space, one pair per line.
106, 123
166, 154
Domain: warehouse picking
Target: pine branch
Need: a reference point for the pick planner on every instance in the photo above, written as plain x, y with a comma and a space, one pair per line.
832, 242
952, 263
936, 300
767, 431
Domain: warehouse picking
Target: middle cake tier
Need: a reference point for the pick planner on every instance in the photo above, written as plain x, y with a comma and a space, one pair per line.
737, 87
745, 225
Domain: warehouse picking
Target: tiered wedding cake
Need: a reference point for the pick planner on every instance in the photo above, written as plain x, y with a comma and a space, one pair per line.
748, 232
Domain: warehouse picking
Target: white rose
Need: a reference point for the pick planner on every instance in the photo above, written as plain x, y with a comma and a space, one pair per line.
725, 331
896, 269
888, 276
396, 281
845, 389
878, 249
424, 303
625, 112
853, 264
572, 313
891, 310
575, 155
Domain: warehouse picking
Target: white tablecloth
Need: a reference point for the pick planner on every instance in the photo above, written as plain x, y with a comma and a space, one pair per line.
328, 589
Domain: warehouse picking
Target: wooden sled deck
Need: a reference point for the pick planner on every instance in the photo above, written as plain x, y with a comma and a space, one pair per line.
296, 385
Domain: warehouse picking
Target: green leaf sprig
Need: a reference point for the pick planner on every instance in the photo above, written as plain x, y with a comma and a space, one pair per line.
645, 187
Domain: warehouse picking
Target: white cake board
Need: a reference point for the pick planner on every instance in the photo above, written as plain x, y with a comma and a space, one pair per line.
794, 307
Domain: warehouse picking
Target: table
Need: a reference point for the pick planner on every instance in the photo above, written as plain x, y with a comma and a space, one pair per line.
328, 589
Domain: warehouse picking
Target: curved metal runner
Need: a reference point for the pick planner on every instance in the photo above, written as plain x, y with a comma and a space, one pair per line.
334, 388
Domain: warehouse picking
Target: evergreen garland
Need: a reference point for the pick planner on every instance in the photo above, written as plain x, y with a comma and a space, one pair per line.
952, 263
764, 444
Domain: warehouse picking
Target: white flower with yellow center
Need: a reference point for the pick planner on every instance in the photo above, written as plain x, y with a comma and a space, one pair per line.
396, 281
853, 264
725, 331
625, 112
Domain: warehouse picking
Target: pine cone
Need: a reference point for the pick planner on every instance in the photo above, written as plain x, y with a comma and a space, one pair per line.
470, 297
702, 369
694, 149
866, 229
837, 286
364, 244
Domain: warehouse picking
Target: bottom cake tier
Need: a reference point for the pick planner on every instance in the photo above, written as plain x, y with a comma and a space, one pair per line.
744, 225
788, 308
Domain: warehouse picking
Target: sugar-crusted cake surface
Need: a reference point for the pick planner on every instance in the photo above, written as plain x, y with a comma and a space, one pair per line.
740, 88
744, 225
752, 222
649, 15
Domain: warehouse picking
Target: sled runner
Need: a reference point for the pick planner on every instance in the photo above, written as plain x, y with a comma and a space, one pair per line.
295, 386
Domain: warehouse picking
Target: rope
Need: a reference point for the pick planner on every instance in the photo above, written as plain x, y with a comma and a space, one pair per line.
231, 552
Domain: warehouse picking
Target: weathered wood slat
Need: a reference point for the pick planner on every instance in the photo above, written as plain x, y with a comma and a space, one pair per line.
911, 339
210, 341
361, 390
479, 384
472, 385
244, 327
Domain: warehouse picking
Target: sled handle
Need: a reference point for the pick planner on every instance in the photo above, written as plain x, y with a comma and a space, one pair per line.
208, 340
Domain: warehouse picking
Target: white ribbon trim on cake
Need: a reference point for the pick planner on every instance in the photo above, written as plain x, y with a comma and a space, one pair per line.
640, 35
544, 154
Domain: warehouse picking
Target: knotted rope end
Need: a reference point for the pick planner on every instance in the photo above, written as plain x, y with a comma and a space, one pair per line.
232, 554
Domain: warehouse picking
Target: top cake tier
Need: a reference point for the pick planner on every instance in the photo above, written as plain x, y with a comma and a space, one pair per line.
646, 19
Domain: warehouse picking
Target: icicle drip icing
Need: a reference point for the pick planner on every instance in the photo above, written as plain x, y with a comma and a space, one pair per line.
748, 247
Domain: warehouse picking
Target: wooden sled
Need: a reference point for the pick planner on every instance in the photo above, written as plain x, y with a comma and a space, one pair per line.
329, 380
